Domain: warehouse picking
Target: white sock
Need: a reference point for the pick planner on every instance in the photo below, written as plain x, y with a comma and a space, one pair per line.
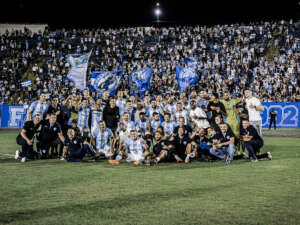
119, 158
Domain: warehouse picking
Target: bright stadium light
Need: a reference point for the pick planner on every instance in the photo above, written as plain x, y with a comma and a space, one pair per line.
157, 12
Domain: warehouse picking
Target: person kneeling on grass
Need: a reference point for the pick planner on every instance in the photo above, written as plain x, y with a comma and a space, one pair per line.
253, 142
224, 148
162, 148
134, 149
75, 147
101, 140
26, 138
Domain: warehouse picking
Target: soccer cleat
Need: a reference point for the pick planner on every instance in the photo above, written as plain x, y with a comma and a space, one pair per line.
114, 162
187, 159
254, 160
269, 155
136, 163
17, 155
23, 160
62, 158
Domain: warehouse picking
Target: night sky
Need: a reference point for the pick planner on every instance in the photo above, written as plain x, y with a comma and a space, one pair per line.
88, 13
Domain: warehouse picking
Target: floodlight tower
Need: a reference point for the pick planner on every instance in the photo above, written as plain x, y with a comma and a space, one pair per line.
157, 12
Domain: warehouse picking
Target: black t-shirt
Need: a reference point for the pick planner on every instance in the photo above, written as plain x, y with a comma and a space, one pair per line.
159, 146
31, 129
273, 115
52, 109
187, 130
251, 131
181, 143
244, 114
214, 112
64, 116
225, 138
49, 133
74, 144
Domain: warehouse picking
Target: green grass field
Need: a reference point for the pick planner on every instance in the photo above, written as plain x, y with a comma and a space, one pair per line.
56, 192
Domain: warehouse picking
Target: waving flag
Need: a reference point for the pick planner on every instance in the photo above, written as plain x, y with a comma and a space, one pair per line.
185, 77
141, 79
77, 73
26, 83
109, 80
191, 62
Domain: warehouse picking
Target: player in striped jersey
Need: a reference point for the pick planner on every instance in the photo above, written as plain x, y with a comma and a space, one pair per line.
38, 107
102, 138
127, 122
83, 115
153, 108
180, 113
136, 149
168, 125
142, 123
97, 110
155, 123
120, 101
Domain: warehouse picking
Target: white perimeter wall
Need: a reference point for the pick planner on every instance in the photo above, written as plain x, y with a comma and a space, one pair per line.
33, 27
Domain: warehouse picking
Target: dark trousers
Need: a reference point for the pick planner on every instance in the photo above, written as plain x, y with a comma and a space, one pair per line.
43, 149
27, 150
272, 122
253, 147
78, 154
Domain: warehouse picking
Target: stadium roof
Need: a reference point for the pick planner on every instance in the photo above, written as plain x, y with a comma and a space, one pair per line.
120, 12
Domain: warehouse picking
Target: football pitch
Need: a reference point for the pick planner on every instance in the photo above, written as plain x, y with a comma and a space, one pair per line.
57, 192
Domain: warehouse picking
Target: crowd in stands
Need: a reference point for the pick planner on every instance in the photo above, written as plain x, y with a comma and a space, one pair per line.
230, 57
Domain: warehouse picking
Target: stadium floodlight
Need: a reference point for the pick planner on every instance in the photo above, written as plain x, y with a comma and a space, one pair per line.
157, 12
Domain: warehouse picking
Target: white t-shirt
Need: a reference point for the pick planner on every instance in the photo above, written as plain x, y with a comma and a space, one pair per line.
254, 115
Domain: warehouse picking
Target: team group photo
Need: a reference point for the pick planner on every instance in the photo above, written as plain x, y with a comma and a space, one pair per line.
149, 113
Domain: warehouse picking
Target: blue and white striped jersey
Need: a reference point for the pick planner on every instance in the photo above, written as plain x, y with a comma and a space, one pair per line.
83, 117
169, 127
121, 104
170, 108
37, 108
155, 124
183, 114
150, 111
141, 126
134, 147
97, 115
102, 138
129, 126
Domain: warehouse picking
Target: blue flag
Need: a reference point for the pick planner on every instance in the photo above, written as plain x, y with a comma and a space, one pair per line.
191, 62
185, 77
77, 73
102, 81
26, 83
141, 78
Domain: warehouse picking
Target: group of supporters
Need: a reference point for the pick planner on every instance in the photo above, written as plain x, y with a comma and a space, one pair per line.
144, 129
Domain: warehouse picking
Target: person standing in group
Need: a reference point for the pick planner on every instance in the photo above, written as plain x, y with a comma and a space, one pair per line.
231, 115
38, 107
272, 116
254, 108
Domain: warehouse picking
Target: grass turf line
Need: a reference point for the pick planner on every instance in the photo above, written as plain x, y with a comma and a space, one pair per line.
55, 192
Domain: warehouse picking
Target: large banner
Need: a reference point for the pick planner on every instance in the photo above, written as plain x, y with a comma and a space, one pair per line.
12, 116
287, 114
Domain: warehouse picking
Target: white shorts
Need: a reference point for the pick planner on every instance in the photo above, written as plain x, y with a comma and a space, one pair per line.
106, 152
132, 157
